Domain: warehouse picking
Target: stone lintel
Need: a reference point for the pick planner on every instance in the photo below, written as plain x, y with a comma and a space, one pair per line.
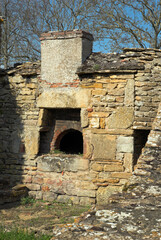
127, 132
141, 128
64, 98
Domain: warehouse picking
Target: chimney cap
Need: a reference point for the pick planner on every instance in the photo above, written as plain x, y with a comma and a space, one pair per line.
76, 33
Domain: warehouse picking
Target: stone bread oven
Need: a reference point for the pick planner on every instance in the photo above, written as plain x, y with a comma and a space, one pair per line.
96, 109
64, 132
61, 100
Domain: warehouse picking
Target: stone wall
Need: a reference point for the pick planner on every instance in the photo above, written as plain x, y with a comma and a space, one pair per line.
147, 89
18, 124
112, 106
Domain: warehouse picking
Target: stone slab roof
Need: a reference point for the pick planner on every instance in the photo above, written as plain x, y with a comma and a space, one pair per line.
26, 69
110, 62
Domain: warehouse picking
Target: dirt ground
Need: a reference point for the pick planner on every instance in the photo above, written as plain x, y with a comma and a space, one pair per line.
38, 216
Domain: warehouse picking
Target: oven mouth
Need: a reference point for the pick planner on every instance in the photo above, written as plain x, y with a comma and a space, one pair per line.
70, 142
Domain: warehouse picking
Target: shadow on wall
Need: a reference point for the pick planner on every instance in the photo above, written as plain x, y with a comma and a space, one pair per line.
11, 128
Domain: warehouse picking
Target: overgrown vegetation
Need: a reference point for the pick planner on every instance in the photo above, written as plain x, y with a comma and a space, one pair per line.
27, 200
36, 216
20, 235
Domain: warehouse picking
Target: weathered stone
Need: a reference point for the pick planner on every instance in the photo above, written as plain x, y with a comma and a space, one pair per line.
84, 118
33, 187
129, 93
86, 201
31, 141
94, 122
104, 193
85, 193
102, 123
97, 167
123, 175
99, 92
122, 118
63, 98
125, 144
104, 146
74, 199
49, 196
113, 168
87, 185
128, 162
60, 164
63, 199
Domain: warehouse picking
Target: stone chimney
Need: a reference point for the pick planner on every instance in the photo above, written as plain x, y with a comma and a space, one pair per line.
62, 53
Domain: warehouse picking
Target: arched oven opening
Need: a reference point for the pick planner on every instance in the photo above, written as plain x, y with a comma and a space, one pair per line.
70, 142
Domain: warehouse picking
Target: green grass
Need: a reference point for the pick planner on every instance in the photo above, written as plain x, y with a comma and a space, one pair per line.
21, 235
27, 200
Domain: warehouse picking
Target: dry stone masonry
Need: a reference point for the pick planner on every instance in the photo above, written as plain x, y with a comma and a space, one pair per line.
132, 214
73, 128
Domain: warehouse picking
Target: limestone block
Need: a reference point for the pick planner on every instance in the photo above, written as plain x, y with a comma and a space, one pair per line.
104, 175
94, 122
102, 123
85, 193
129, 93
49, 196
59, 164
33, 187
122, 76
99, 92
64, 98
113, 168
77, 164
122, 118
119, 156
44, 116
69, 187
104, 146
39, 195
128, 162
86, 175
125, 144
97, 167
84, 118
123, 175
85, 201
40, 119
31, 141
50, 165
31, 85
98, 114
63, 199
87, 146
103, 194
74, 199
87, 185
